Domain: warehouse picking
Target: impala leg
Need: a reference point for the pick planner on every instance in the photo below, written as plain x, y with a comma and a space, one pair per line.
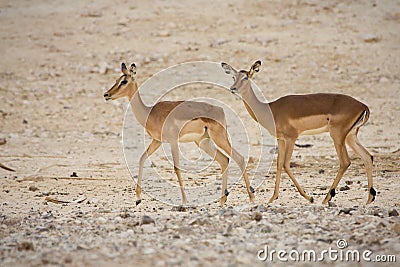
288, 156
344, 163
220, 137
154, 145
279, 166
175, 157
238, 158
367, 159
223, 161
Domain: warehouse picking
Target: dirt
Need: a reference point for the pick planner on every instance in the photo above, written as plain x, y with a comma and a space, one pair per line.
71, 199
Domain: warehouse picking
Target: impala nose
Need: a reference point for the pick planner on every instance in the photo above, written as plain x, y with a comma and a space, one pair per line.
233, 90
106, 95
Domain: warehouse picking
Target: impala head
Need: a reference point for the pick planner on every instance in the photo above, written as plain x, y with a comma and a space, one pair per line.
240, 78
124, 85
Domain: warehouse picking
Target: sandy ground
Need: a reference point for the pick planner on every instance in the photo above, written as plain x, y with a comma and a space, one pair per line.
58, 58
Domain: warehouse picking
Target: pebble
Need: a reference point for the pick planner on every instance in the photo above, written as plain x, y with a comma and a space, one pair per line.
101, 220
371, 38
393, 213
257, 216
33, 188
147, 220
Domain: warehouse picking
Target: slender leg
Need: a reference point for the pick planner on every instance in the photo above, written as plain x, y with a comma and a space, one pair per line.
220, 137
344, 162
279, 165
175, 157
367, 159
288, 155
223, 161
154, 145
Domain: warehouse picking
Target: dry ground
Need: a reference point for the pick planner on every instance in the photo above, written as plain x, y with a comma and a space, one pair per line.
58, 57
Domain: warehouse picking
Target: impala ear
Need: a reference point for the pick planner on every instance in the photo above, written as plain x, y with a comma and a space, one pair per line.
228, 69
124, 69
132, 70
254, 68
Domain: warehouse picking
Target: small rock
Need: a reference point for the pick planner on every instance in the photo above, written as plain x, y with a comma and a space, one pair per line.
148, 251
257, 216
349, 182
26, 245
383, 79
346, 210
74, 174
371, 38
164, 34
33, 188
228, 230
344, 188
101, 220
3, 141
147, 220
321, 171
393, 213
197, 221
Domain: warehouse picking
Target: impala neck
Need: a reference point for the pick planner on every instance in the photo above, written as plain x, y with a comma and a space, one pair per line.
139, 109
259, 111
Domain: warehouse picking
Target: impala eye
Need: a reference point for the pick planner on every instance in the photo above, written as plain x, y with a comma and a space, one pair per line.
245, 78
124, 82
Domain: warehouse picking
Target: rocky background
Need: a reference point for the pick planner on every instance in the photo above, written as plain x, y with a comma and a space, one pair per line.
71, 201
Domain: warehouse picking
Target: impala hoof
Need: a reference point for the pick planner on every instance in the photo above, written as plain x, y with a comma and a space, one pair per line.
311, 200
138, 201
372, 194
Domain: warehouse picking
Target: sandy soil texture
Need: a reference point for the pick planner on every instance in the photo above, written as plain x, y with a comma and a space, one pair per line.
71, 199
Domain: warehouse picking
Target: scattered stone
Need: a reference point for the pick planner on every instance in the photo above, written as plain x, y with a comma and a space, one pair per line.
321, 171
197, 221
74, 174
344, 188
101, 220
33, 188
26, 245
383, 79
346, 211
164, 33
228, 230
371, 38
349, 182
147, 220
393, 213
257, 216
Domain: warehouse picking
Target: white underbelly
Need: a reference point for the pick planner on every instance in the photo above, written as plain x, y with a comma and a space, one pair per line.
190, 137
316, 131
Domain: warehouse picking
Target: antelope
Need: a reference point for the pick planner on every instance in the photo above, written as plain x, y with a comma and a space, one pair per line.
293, 115
179, 121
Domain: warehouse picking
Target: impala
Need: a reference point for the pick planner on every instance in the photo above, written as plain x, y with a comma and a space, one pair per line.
179, 121
291, 116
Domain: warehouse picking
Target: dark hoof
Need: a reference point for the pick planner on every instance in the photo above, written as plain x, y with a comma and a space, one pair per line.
372, 191
138, 201
226, 192
252, 189
311, 200
333, 192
